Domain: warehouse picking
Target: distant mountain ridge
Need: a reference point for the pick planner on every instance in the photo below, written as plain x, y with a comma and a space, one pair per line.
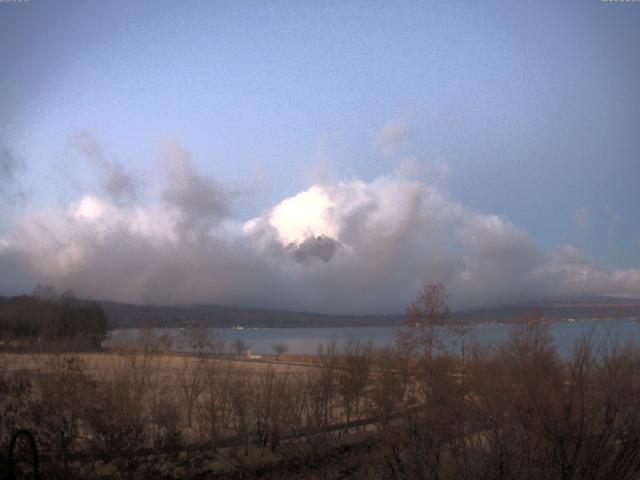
123, 315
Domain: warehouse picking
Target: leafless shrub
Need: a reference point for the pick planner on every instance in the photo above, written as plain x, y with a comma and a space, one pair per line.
354, 377
240, 347
215, 410
192, 384
280, 349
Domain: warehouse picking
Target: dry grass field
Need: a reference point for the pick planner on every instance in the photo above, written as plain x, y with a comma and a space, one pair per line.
412, 411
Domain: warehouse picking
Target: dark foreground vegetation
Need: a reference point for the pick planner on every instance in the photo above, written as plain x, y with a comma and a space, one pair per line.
414, 411
45, 321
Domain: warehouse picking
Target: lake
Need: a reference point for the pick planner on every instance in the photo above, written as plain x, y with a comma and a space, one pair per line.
306, 340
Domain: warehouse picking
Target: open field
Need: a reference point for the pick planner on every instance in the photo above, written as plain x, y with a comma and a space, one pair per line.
519, 411
209, 409
103, 365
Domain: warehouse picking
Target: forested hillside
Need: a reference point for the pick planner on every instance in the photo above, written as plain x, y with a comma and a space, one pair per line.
29, 320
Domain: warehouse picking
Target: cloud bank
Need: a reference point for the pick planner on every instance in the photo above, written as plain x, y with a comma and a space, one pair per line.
340, 247
117, 183
392, 137
11, 166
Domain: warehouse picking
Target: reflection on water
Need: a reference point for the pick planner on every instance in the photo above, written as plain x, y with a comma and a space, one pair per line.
306, 340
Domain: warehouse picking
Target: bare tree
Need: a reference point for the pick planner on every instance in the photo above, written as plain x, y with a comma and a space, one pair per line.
191, 381
354, 378
428, 323
196, 338
239, 346
149, 340
216, 342
327, 380
280, 349
241, 401
166, 342
387, 391
215, 410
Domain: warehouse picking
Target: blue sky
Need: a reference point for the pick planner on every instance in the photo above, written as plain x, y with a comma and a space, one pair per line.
533, 107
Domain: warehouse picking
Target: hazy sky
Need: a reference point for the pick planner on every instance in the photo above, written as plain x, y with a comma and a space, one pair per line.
193, 151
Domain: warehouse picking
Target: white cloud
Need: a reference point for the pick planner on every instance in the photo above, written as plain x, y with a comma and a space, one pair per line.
392, 137
351, 246
11, 166
300, 217
117, 183
581, 218
199, 201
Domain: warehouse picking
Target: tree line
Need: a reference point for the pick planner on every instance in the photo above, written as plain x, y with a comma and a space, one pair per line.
30, 320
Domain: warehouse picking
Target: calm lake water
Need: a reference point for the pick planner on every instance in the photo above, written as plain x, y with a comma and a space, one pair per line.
306, 340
